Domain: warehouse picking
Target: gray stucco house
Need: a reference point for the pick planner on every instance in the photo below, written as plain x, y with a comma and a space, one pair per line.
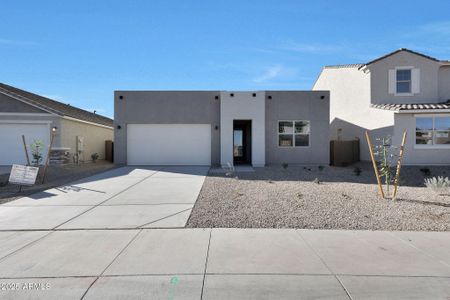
401, 91
221, 127
79, 133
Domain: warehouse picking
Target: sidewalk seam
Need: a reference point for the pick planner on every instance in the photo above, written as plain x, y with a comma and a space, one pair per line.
325, 264
114, 259
206, 263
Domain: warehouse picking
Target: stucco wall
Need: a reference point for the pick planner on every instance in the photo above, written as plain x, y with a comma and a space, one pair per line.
444, 83
164, 107
350, 108
94, 137
428, 79
298, 105
242, 106
414, 156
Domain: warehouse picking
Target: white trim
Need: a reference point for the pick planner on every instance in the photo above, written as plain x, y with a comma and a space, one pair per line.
86, 122
25, 114
422, 112
26, 121
404, 68
26, 102
293, 134
432, 115
431, 147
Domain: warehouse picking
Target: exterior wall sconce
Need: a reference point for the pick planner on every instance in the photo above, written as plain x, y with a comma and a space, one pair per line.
216, 127
322, 97
216, 97
254, 95
269, 97
119, 127
54, 129
120, 97
231, 95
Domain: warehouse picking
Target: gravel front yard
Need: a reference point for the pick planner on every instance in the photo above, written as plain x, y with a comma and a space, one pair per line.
288, 198
57, 175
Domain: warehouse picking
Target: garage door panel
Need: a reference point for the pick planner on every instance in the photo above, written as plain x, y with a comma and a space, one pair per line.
12, 151
169, 144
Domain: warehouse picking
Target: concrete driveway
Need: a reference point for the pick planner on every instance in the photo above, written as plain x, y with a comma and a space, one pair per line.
123, 198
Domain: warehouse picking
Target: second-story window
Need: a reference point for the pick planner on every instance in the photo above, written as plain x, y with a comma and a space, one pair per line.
403, 81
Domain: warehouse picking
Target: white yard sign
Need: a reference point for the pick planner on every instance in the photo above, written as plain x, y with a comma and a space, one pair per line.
23, 175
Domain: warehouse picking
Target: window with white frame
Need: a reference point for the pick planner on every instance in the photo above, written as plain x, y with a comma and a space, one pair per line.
293, 133
403, 79
433, 130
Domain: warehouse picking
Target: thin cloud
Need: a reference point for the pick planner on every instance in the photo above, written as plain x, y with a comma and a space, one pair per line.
8, 42
437, 28
269, 73
311, 47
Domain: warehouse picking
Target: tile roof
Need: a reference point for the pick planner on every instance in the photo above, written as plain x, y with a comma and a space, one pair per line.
400, 50
406, 107
344, 66
55, 106
385, 56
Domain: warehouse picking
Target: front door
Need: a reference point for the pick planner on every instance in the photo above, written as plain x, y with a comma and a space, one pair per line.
242, 142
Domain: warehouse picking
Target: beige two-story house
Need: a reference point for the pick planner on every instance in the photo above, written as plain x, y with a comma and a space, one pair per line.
401, 91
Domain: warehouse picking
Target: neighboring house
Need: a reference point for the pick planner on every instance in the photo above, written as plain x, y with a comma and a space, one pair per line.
221, 127
401, 91
25, 113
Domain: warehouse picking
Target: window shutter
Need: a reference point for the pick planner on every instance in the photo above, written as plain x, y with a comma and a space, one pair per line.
415, 81
392, 82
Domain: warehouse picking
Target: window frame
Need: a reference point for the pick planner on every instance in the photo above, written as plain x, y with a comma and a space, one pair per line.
410, 93
434, 130
293, 134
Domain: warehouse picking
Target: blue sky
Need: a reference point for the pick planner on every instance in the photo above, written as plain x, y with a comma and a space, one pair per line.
79, 52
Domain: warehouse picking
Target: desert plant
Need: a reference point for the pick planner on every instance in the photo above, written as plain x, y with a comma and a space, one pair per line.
230, 171
285, 165
317, 181
299, 195
387, 159
440, 184
357, 171
321, 168
426, 171
36, 152
94, 157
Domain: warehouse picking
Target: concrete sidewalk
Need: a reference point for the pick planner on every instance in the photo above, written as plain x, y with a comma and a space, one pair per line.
224, 264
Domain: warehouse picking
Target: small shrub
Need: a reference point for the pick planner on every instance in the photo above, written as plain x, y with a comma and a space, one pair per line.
36, 152
299, 195
426, 171
94, 157
285, 165
357, 171
317, 181
440, 185
230, 171
321, 168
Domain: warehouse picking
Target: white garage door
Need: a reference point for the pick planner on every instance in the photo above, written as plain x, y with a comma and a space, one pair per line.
169, 144
11, 149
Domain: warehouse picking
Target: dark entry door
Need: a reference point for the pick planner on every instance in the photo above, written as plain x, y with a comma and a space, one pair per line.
241, 142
